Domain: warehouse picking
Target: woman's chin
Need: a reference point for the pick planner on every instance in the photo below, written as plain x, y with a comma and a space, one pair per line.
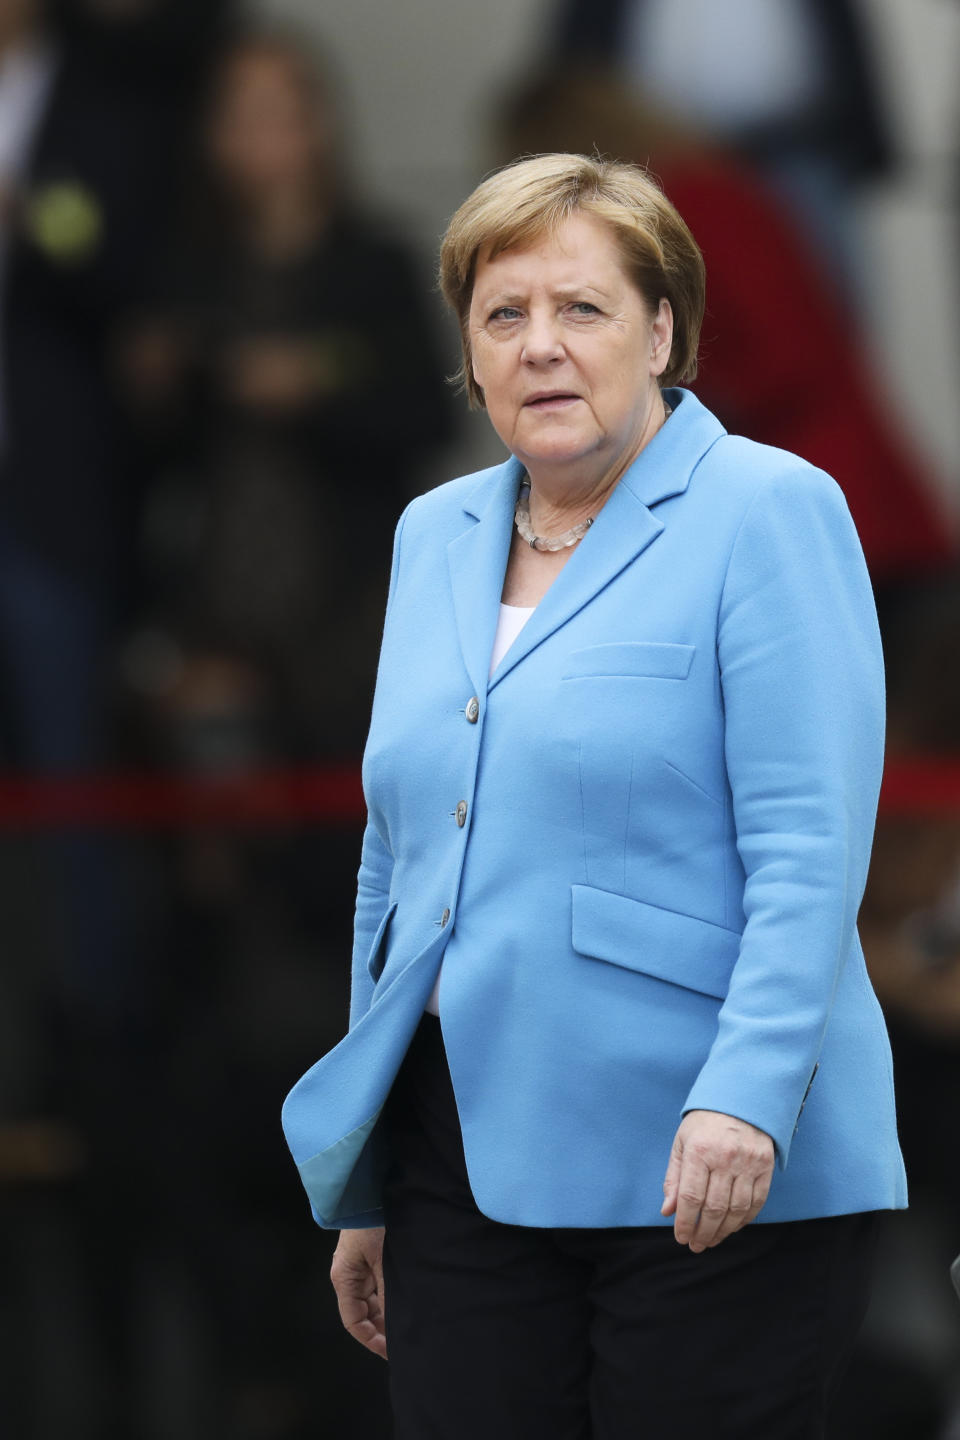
556, 450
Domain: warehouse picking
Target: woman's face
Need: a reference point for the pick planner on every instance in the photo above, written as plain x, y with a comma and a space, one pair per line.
566, 350
264, 131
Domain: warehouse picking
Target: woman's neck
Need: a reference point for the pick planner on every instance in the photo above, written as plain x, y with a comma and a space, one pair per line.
563, 496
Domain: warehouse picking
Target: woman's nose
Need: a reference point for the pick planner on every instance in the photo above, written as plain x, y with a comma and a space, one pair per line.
542, 343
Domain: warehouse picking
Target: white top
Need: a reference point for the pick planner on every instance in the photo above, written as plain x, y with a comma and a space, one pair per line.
727, 65
510, 622
26, 76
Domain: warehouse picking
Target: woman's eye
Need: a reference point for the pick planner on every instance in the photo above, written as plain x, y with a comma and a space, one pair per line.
505, 312
584, 307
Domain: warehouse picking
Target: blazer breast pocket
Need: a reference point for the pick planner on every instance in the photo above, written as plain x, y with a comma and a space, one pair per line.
645, 659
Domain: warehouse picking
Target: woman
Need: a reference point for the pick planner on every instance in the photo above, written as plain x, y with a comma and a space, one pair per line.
621, 774
284, 309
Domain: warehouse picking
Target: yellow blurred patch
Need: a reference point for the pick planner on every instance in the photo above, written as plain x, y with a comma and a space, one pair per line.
65, 221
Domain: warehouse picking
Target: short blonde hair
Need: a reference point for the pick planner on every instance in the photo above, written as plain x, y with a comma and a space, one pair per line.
534, 196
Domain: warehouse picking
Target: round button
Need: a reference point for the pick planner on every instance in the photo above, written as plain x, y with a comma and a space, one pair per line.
473, 710
444, 918
461, 813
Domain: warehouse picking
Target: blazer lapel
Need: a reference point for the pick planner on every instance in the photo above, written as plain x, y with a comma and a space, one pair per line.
624, 527
478, 563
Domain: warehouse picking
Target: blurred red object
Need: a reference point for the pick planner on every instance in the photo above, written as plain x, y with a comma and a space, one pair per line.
782, 363
328, 795
325, 795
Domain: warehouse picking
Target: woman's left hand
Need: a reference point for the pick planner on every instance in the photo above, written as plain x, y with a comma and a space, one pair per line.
718, 1177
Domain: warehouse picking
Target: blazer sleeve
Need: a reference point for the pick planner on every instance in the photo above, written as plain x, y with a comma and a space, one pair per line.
376, 858
802, 684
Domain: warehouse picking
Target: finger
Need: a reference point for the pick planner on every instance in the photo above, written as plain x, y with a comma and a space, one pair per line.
761, 1189
691, 1192
359, 1297
713, 1211
671, 1180
370, 1337
380, 1316
376, 1316
374, 1339
375, 1310
740, 1210
352, 1302
362, 1317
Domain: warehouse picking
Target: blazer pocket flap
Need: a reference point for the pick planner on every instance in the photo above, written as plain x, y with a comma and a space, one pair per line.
665, 944
378, 949
653, 659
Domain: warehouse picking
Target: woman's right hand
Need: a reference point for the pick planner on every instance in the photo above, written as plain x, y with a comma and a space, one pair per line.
357, 1275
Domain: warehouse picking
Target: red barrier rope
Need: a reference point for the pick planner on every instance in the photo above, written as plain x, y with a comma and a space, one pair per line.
921, 785
330, 795
325, 795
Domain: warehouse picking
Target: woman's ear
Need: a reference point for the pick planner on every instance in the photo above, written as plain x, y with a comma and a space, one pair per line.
661, 338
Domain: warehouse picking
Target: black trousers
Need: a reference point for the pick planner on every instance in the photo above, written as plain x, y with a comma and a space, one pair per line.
503, 1332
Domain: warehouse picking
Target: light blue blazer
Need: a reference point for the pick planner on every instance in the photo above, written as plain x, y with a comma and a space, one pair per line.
640, 853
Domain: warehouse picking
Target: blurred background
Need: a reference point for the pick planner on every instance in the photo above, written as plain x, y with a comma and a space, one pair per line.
222, 362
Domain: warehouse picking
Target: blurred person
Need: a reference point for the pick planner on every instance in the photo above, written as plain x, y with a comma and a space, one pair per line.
77, 220
791, 85
59, 290
609, 1004
86, 177
271, 374
85, 183
780, 359
287, 378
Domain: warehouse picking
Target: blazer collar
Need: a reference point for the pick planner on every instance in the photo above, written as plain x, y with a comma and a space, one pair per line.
665, 466
622, 530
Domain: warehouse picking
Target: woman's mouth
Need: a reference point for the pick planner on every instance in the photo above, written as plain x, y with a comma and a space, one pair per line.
556, 401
